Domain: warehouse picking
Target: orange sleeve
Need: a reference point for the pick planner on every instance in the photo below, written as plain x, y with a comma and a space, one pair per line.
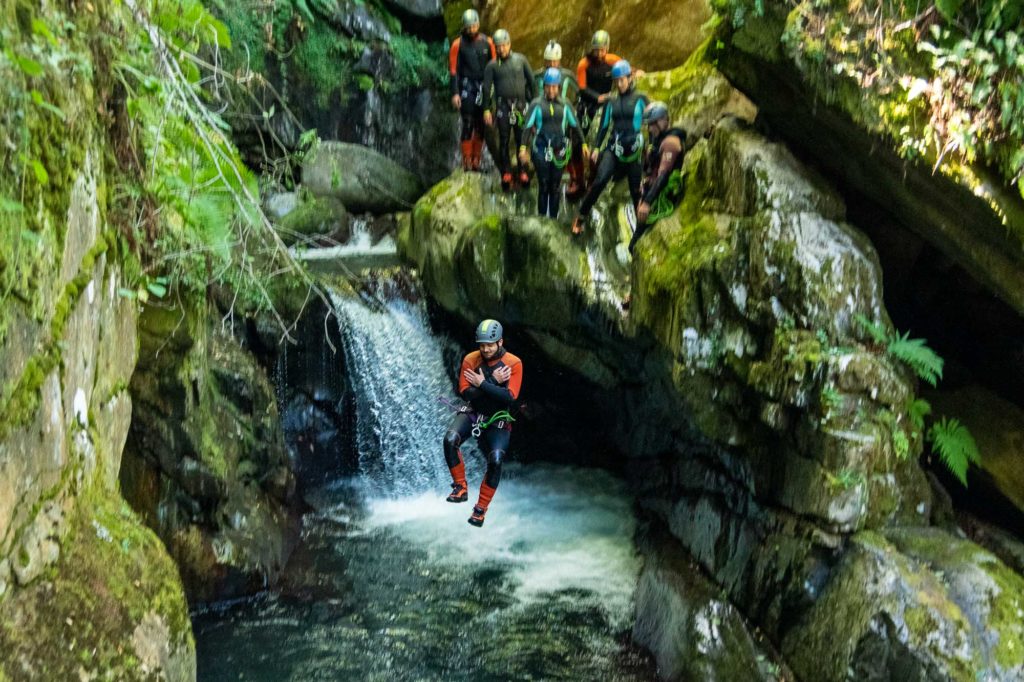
467, 363
515, 381
453, 56
581, 73
610, 59
494, 52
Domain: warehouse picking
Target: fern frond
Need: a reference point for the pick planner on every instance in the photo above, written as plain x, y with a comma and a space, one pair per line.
876, 331
955, 445
925, 362
917, 410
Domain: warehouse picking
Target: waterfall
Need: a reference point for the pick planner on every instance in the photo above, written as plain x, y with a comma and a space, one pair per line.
397, 371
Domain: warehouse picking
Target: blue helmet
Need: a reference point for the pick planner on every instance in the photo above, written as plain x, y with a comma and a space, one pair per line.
552, 76
489, 331
621, 69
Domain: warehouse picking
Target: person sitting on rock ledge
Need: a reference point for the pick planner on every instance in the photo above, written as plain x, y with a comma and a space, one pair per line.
548, 121
489, 382
467, 59
662, 181
508, 90
622, 129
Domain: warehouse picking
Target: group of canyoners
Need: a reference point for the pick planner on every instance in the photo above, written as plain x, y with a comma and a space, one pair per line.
549, 114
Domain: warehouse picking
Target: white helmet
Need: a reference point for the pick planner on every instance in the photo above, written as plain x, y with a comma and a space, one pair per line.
553, 52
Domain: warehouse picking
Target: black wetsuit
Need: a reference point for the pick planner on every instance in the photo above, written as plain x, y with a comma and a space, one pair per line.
622, 128
593, 78
658, 168
551, 131
508, 89
486, 400
467, 60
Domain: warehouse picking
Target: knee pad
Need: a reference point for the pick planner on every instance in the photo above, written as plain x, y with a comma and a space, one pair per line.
493, 476
452, 441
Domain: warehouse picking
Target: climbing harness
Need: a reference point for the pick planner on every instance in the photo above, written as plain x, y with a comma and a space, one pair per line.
480, 423
634, 151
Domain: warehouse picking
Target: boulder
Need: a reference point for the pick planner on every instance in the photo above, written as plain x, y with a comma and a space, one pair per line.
362, 179
315, 216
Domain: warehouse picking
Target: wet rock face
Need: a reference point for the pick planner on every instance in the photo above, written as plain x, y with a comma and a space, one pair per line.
361, 73
205, 463
916, 600
766, 429
692, 631
654, 36
813, 115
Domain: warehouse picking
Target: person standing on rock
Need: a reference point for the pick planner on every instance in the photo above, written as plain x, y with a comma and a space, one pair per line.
508, 90
662, 180
594, 77
619, 144
489, 382
467, 60
551, 132
570, 94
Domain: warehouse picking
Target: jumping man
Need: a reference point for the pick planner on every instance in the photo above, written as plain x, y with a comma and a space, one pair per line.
489, 381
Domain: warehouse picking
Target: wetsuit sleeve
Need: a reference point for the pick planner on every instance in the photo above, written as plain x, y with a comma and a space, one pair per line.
531, 126
531, 85
670, 151
515, 382
453, 65
488, 83
494, 52
466, 391
581, 80
638, 113
509, 392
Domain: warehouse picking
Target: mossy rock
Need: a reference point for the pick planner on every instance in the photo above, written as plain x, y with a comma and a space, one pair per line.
315, 216
919, 603
362, 179
112, 606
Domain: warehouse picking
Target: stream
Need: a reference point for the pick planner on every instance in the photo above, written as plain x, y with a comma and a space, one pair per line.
390, 582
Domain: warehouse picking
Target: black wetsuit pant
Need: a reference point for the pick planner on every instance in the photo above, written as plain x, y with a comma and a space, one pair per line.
510, 125
471, 111
609, 166
493, 442
549, 186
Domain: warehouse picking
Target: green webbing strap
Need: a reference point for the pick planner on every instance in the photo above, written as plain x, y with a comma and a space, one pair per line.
502, 415
565, 157
663, 206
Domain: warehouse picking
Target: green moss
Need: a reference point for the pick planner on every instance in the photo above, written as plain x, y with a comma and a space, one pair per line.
21, 400
113, 571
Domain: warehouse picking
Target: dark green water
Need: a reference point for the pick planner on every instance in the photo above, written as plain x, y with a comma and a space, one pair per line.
405, 589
